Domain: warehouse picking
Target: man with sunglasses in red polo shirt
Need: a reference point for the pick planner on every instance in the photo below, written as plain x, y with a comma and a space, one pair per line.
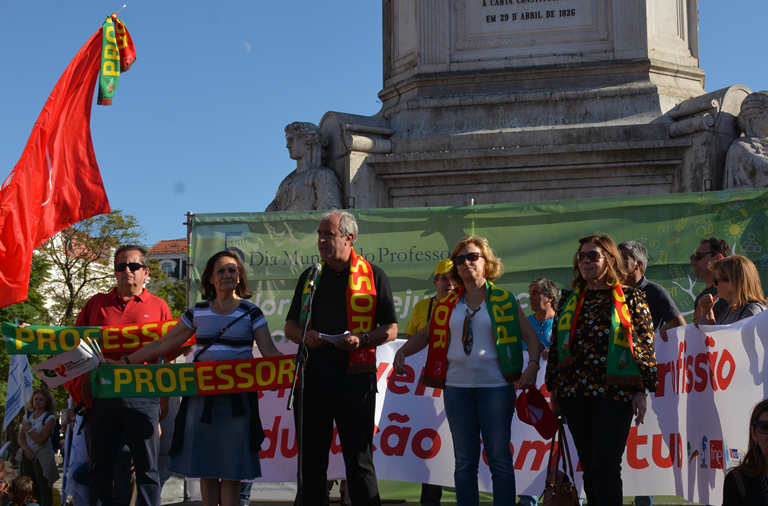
710, 250
113, 423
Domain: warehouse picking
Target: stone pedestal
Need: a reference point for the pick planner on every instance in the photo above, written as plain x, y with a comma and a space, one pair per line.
525, 100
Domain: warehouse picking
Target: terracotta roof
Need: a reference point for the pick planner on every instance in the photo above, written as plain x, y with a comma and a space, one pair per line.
172, 246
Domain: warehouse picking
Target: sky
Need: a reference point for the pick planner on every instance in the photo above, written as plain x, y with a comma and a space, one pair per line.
198, 122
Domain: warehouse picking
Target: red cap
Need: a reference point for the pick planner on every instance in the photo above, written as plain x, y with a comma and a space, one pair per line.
533, 409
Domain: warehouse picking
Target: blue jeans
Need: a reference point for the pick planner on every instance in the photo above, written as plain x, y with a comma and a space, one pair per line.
473, 412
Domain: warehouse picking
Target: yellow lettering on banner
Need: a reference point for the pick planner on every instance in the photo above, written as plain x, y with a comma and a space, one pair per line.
362, 280
110, 33
271, 371
240, 370
365, 324
618, 297
498, 313
23, 336
625, 313
122, 377
46, 336
167, 326
63, 339
144, 377
147, 332
220, 372
202, 378
357, 298
171, 384
441, 315
504, 338
110, 69
571, 303
111, 52
132, 337
501, 297
123, 40
359, 266
186, 375
565, 322
286, 369
108, 337
441, 339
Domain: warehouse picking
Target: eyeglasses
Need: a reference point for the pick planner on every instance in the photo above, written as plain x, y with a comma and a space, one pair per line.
134, 266
592, 256
698, 256
761, 426
460, 259
716, 281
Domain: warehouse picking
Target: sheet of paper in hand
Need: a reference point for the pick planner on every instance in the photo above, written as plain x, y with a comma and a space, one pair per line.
59, 369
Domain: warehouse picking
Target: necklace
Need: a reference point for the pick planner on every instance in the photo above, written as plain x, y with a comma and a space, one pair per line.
224, 311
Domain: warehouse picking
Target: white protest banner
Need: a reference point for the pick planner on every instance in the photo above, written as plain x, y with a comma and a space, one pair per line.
19, 376
59, 369
710, 378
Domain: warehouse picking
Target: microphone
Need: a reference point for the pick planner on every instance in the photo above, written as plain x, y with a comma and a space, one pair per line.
316, 269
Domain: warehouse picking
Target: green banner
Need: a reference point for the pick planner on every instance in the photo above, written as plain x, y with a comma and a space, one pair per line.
40, 340
534, 240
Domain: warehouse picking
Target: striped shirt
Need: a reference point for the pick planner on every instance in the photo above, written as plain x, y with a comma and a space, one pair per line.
237, 341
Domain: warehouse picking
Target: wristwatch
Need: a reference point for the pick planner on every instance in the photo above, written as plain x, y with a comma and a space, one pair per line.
366, 339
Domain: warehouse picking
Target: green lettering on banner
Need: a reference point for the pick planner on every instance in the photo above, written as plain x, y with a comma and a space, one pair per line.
533, 240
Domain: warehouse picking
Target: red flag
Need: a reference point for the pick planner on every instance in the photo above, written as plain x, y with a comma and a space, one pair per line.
56, 182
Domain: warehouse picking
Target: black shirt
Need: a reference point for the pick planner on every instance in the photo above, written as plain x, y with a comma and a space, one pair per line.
663, 308
721, 304
327, 366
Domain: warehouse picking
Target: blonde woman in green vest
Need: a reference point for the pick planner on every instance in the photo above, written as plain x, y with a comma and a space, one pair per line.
601, 364
476, 355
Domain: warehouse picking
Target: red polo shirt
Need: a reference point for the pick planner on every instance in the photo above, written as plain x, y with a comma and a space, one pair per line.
111, 309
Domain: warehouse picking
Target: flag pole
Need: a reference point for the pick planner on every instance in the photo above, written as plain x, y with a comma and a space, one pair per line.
23, 390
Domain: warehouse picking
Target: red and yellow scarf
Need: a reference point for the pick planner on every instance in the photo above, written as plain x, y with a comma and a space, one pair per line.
502, 308
622, 358
361, 310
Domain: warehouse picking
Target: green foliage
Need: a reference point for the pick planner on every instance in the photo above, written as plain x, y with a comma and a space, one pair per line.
81, 260
171, 291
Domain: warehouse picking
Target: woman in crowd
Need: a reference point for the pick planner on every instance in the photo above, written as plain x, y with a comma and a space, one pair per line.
482, 366
747, 483
38, 462
601, 364
20, 492
738, 283
218, 437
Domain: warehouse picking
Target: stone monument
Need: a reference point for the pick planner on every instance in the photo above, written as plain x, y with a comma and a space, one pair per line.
496, 101
746, 165
311, 186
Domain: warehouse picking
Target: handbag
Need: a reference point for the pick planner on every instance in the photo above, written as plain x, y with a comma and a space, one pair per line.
559, 490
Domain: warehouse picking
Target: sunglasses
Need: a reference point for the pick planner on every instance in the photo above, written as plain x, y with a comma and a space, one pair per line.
716, 281
134, 266
698, 256
761, 426
460, 259
592, 256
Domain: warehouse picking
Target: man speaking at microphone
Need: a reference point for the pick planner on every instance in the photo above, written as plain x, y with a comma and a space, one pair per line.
340, 383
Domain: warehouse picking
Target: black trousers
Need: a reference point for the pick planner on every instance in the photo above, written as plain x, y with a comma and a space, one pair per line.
353, 412
108, 421
600, 428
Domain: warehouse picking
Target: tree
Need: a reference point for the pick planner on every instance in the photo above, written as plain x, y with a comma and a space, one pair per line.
171, 291
81, 260
30, 311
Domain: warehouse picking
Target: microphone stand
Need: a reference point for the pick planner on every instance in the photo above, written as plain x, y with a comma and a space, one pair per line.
301, 363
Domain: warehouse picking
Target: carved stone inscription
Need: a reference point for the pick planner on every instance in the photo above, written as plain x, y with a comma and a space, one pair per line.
504, 23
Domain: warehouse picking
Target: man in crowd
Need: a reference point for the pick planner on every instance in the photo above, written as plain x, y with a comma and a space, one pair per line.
710, 250
421, 316
663, 308
340, 383
112, 422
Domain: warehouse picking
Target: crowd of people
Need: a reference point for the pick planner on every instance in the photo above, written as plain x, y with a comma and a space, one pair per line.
595, 338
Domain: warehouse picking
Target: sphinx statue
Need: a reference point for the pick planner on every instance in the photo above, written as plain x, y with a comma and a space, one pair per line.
746, 164
311, 186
